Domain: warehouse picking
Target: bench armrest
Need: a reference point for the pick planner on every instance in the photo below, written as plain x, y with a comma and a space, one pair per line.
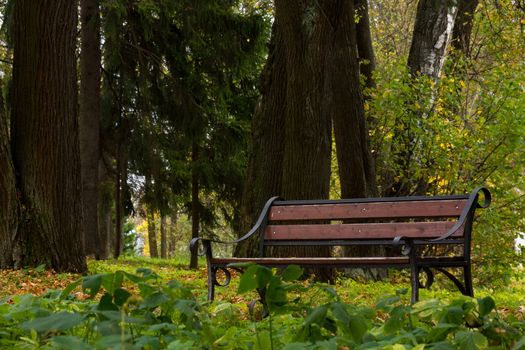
472, 201
260, 223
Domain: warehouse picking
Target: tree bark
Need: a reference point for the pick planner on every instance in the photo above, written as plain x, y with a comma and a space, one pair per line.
163, 237
195, 205
367, 59
432, 34
90, 111
152, 234
308, 141
105, 211
119, 179
463, 26
45, 141
346, 105
172, 240
8, 195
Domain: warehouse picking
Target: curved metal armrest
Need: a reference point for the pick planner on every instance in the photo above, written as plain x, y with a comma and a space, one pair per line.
472, 200
254, 229
194, 242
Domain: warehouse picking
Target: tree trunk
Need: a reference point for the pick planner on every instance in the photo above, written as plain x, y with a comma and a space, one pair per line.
195, 205
367, 59
152, 234
45, 142
172, 241
308, 78
118, 198
463, 26
105, 211
8, 196
264, 172
308, 127
150, 217
432, 34
163, 237
308, 37
346, 105
90, 74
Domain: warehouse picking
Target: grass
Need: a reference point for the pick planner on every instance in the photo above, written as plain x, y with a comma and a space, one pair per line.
140, 308
509, 298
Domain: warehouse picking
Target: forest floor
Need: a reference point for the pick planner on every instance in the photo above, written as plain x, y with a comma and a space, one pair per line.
510, 298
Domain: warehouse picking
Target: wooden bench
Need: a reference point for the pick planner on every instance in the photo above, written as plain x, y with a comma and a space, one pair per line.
418, 224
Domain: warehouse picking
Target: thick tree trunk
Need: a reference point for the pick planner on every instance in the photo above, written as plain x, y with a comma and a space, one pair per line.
308, 140
8, 196
307, 30
312, 53
264, 173
195, 205
90, 74
163, 237
45, 135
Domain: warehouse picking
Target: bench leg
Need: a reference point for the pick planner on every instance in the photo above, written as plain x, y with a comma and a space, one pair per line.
467, 275
414, 272
414, 282
211, 282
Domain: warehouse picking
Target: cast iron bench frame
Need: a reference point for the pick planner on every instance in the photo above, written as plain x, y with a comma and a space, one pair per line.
410, 222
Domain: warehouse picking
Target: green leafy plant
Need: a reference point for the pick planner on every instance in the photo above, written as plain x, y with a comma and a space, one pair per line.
124, 310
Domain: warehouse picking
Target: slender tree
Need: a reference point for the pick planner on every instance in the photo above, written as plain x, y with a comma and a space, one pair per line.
356, 172
463, 26
367, 60
163, 237
432, 34
150, 216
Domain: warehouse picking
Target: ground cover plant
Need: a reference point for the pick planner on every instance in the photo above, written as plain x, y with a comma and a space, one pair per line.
122, 305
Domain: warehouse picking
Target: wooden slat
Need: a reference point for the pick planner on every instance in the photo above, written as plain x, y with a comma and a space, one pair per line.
405, 209
315, 260
359, 231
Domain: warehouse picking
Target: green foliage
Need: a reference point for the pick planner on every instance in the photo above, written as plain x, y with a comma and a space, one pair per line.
461, 132
140, 311
180, 85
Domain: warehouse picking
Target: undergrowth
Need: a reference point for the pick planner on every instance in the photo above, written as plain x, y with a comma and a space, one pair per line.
123, 309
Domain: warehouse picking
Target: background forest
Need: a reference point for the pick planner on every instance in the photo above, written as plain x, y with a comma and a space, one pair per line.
173, 119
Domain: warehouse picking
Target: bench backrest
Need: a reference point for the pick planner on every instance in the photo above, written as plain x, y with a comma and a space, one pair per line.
289, 220
370, 220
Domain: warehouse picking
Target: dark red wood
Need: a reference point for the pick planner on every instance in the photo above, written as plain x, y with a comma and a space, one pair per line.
360, 231
412, 209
